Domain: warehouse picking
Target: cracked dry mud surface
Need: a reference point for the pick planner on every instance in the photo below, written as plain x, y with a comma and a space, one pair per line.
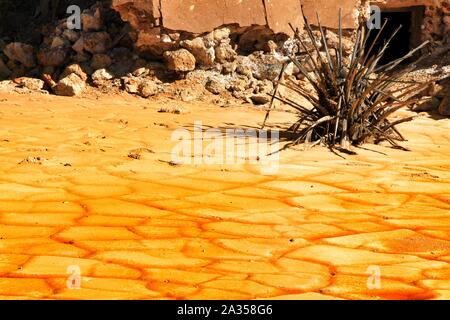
70, 195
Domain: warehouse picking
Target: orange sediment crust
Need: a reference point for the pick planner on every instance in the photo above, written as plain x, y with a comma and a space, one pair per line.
70, 195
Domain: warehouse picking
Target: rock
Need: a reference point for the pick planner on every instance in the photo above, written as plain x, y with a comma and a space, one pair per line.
59, 42
72, 85
48, 80
229, 68
265, 66
55, 57
199, 76
245, 67
291, 47
141, 72
204, 56
291, 69
225, 52
91, 20
270, 47
96, 42
239, 85
173, 109
79, 45
71, 35
215, 85
180, 61
4, 70
153, 43
74, 68
259, 99
191, 93
221, 34
147, 89
21, 52
33, 84
131, 84
7, 86
444, 107
101, 75
264, 86
428, 104
100, 61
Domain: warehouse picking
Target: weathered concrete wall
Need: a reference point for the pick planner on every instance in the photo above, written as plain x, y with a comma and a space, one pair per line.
198, 16
405, 3
328, 11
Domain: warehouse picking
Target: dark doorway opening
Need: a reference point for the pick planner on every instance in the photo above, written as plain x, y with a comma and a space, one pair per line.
407, 38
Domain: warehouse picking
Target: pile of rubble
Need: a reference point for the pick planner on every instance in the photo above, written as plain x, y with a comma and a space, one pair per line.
230, 63
104, 54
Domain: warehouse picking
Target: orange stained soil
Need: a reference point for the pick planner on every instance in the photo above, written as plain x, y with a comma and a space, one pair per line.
88, 185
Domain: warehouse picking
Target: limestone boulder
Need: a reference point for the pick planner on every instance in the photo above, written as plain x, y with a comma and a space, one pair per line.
72, 85
180, 60
20, 52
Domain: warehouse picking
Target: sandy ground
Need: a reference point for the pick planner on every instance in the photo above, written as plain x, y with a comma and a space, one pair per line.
73, 197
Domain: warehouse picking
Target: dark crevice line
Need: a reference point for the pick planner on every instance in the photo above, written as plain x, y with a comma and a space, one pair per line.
265, 12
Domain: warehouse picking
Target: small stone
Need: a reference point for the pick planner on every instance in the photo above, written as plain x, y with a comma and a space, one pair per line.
21, 52
270, 47
265, 66
204, 56
180, 61
33, 84
215, 86
141, 72
71, 35
147, 89
72, 85
48, 80
74, 68
131, 84
101, 75
225, 52
244, 70
264, 86
153, 42
91, 20
259, 99
58, 42
221, 34
239, 85
229, 68
79, 45
291, 69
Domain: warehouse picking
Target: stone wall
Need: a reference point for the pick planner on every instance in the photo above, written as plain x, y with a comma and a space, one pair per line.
199, 16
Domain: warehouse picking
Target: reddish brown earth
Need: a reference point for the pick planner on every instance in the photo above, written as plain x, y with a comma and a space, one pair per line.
146, 229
